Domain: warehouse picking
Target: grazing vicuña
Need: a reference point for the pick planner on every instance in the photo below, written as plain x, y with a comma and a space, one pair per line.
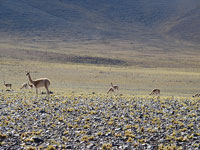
24, 85
110, 90
155, 92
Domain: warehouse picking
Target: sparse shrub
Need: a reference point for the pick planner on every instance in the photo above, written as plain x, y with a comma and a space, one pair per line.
30, 148
50, 147
85, 138
106, 146
99, 133
3, 136
87, 126
130, 140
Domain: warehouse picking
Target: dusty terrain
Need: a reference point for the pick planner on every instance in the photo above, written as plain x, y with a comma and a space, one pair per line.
98, 121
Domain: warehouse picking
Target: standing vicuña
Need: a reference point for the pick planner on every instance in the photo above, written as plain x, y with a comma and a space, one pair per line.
155, 92
115, 87
42, 82
7, 85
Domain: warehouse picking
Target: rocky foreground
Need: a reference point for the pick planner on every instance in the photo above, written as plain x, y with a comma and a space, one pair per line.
98, 121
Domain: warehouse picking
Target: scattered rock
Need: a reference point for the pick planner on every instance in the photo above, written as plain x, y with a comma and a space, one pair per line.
37, 139
69, 147
92, 121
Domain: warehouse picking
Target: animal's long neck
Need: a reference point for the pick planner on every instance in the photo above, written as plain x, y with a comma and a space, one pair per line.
111, 84
4, 83
29, 77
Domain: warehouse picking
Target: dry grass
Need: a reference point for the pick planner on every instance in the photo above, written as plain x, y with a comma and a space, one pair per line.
173, 68
141, 54
89, 78
80, 115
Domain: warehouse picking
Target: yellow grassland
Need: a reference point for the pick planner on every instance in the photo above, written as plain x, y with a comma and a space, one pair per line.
175, 70
92, 78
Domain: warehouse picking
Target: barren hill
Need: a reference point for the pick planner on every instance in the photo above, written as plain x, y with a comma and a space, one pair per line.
187, 27
97, 19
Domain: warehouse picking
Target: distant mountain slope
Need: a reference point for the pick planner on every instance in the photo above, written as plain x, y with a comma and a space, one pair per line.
76, 19
187, 27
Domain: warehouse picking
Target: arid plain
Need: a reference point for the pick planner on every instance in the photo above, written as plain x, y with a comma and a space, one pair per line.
84, 46
92, 65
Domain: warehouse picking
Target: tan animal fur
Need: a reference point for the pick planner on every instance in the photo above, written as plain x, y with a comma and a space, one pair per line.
42, 82
155, 92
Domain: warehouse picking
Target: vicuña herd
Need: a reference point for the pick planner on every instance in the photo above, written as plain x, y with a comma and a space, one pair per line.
41, 82
45, 82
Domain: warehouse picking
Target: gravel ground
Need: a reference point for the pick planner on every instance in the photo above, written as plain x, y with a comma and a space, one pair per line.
98, 121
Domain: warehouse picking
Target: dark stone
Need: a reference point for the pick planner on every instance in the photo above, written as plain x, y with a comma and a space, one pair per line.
69, 147
42, 111
37, 139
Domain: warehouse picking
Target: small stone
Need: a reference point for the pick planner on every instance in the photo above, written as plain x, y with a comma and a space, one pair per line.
90, 146
118, 129
108, 134
69, 147
89, 133
37, 139
126, 147
42, 111
56, 109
